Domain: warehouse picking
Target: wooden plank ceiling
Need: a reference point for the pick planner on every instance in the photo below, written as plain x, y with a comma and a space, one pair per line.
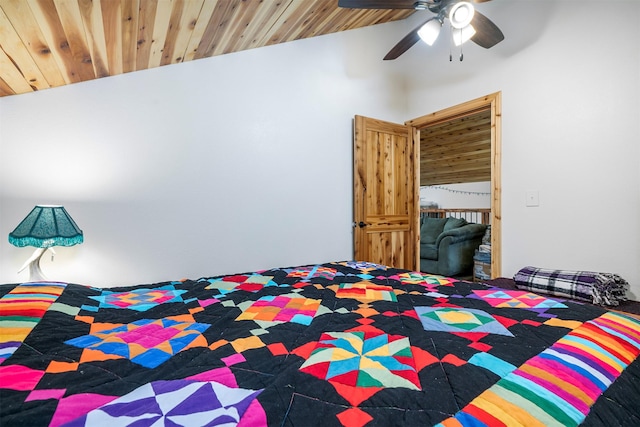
457, 150
49, 43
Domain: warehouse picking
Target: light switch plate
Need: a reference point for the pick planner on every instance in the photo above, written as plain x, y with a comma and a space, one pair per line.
532, 199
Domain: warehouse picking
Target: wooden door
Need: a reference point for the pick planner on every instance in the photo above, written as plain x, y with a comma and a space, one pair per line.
386, 213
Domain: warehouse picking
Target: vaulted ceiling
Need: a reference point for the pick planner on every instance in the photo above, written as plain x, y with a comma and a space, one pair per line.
49, 43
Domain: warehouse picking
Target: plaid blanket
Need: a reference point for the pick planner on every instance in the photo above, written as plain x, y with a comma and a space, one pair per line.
594, 287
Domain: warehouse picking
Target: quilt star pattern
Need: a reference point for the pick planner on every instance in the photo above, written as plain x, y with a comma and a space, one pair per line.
177, 402
148, 342
137, 299
363, 358
346, 343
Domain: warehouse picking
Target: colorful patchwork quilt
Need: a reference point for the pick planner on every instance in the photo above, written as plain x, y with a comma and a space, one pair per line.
336, 344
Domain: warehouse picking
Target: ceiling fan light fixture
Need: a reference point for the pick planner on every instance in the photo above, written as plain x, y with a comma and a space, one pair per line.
421, 5
461, 14
430, 31
463, 35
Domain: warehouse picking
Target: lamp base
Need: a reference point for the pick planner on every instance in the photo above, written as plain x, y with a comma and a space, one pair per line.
35, 273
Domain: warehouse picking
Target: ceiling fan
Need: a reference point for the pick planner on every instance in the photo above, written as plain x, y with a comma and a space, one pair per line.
466, 22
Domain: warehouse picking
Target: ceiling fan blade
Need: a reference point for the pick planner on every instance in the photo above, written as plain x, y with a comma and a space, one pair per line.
407, 41
376, 4
487, 33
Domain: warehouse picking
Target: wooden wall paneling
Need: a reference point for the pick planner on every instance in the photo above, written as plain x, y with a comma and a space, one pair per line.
5, 89
453, 159
34, 31
270, 16
183, 24
46, 15
460, 130
240, 17
345, 19
309, 19
471, 134
459, 141
36, 63
314, 18
249, 22
172, 32
456, 177
220, 18
71, 20
327, 19
356, 17
323, 17
91, 13
442, 149
189, 19
160, 26
13, 78
199, 29
254, 26
289, 23
478, 120
440, 156
15, 51
457, 150
68, 41
477, 161
112, 26
474, 166
130, 10
336, 21
146, 22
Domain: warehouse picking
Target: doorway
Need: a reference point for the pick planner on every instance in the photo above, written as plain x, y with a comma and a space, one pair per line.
491, 104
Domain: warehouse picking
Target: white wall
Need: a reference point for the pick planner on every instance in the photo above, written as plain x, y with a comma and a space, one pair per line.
452, 196
229, 164
243, 161
571, 129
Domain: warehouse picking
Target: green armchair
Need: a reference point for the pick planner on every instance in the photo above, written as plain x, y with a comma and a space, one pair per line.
447, 245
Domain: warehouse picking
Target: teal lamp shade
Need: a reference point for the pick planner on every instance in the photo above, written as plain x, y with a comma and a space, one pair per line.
46, 226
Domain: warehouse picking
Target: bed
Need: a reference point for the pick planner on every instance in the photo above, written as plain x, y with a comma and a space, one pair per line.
334, 344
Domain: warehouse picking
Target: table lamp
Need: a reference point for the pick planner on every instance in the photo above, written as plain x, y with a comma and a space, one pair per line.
45, 226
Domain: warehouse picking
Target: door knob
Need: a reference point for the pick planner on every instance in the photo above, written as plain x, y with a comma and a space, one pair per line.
362, 224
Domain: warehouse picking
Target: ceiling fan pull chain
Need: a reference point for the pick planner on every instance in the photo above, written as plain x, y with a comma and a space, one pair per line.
450, 41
